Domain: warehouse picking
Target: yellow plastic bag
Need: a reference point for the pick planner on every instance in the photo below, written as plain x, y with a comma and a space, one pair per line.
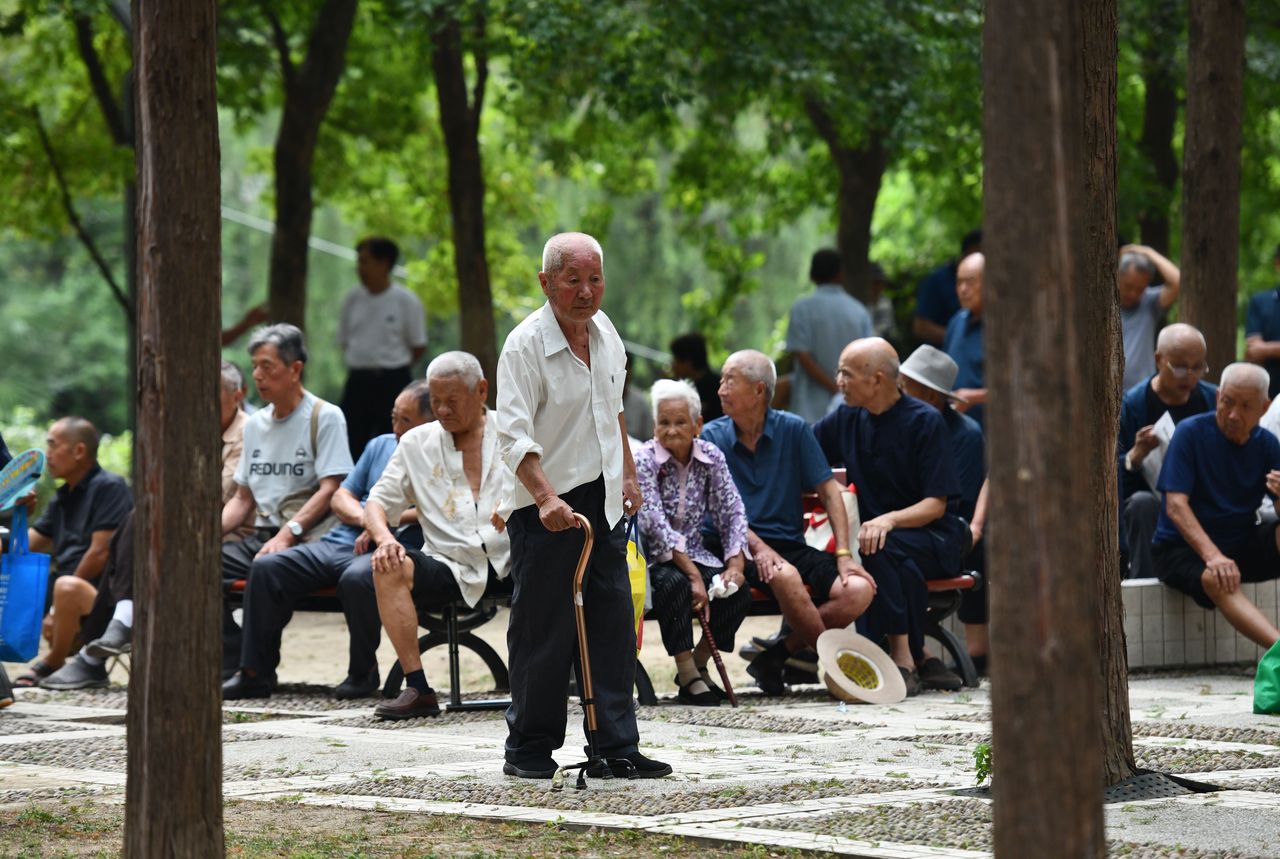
637, 571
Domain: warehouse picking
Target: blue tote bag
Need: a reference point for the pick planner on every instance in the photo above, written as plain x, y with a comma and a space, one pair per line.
24, 581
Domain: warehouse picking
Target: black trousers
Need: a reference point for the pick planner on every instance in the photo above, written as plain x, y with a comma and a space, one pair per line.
673, 608
542, 636
900, 570
367, 401
115, 583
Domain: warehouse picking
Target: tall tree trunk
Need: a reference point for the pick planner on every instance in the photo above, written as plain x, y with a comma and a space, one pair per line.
1211, 174
174, 790
1162, 28
1104, 375
861, 169
1045, 503
460, 124
308, 92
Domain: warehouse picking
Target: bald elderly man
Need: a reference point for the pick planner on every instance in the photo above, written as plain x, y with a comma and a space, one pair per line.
964, 338
1177, 387
774, 459
897, 450
1217, 471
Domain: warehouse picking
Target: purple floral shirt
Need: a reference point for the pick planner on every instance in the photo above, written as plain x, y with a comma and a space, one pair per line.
677, 498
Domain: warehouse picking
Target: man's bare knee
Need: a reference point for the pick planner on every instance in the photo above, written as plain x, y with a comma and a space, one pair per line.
853, 594
399, 576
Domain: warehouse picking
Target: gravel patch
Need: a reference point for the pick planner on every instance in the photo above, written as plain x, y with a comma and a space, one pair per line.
445, 720
617, 797
1165, 851
962, 824
108, 754
1172, 760
42, 793
745, 719
947, 739
110, 698
1266, 785
15, 727
1193, 731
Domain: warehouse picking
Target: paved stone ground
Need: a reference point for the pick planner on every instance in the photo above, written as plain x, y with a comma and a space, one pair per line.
801, 773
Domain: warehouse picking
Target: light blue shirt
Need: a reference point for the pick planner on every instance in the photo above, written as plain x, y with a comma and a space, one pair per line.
361, 479
1138, 324
822, 324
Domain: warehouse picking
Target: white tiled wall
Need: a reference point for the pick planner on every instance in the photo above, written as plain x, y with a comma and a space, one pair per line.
1164, 628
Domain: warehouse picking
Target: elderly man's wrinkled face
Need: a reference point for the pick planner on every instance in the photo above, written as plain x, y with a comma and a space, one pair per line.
1132, 284
739, 396
275, 379
969, 283
405, 415
576, 290
858, 384
61, 452
675, 429
1181, 368
228, 404
458, 408
1240, 408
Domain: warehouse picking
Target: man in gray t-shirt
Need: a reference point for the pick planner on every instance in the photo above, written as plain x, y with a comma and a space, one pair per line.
295, 456
821, 325
1141, 306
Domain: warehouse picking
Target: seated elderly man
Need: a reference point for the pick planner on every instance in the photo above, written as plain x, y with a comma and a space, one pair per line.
77, 525
898, 454
278, 580
774, 458
684, 480
295, 455
1217, 470
1178, 387
453, 473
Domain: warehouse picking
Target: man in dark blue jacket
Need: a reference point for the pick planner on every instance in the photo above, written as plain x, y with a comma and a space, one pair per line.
1178, 388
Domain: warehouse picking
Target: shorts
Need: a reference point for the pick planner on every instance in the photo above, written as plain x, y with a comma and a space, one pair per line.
1179, 567
817, 569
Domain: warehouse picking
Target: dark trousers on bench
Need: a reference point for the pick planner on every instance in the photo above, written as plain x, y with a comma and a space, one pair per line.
673, 608
542, 637
910, 557
114, 585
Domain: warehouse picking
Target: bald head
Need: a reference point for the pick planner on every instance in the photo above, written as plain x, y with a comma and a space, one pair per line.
868, 374
1180, 336
969, 277
78, 430
873, 355
71, 449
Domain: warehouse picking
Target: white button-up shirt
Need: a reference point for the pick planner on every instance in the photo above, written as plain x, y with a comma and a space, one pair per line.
426, 471
550, 403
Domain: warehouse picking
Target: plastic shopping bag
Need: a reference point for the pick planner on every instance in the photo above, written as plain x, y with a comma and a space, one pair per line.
638, 573
1266, 685
24, 581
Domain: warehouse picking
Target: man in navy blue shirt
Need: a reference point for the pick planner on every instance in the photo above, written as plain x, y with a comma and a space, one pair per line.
1217, 471
898, 454
964, 338
1262, 331
340, 558
936, 300
774, 459
1178, 388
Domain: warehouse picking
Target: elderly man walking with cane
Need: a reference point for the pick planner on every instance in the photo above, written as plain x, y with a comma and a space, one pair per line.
560, 424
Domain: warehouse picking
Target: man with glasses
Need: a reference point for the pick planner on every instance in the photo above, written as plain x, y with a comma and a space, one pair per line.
1178, 387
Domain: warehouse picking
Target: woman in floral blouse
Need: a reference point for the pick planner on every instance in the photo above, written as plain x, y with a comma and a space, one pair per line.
682, 479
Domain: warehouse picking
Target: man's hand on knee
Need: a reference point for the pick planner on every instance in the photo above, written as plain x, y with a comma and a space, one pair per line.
387, 558
1221, 576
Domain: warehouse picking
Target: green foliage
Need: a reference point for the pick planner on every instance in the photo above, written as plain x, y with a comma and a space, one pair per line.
982, 762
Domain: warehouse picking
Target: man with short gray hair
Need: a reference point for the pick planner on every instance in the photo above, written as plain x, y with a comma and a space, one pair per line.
1217, 471
1142, 305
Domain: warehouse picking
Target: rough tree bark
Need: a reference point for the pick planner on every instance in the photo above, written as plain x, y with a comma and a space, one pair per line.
1103, 377
308, 92
460, 123
1047, 507
861, 169
1211, 174
1161, 27
174, 791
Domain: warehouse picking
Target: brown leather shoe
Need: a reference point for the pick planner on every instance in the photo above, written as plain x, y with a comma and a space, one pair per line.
411, 704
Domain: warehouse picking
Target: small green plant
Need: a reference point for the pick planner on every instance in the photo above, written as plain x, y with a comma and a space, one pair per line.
982, 762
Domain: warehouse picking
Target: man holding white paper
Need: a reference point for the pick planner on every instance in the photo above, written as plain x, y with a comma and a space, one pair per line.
1148, 414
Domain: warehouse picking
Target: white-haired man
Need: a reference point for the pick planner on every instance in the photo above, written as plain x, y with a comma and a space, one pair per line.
560, 381
452, 472
1217, 470
774, 459
1177, 388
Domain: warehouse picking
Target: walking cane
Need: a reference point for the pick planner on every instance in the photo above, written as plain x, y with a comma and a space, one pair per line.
594, 759
704, 620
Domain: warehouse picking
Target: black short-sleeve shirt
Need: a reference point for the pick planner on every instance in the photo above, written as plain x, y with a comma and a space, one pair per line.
99, 502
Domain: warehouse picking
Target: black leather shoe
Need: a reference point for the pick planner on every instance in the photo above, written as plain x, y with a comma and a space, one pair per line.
357, 687
411, 704
767, 669
936, 675
685, 695
242, 687
634, 765
532, 768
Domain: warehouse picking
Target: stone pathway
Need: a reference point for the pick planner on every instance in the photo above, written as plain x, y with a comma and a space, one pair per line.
802, 772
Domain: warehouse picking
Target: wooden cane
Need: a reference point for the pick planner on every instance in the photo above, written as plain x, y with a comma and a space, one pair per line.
584, 656
704, 620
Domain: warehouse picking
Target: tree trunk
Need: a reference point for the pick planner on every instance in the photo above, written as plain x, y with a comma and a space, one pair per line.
308, 92
861, 169
1103, 377
460, 124
1044, 374
1162, 28
174, 790
1211, 174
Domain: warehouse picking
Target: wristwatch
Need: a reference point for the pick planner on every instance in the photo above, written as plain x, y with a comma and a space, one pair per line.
295, 528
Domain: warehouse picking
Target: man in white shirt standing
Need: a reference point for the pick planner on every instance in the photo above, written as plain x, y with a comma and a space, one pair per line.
560, 423
452, 472
382, 332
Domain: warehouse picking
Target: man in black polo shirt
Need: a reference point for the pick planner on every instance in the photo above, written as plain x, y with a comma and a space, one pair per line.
77, 526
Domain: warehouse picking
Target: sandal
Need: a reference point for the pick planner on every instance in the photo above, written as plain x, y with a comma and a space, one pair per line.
37, 672
697, 699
